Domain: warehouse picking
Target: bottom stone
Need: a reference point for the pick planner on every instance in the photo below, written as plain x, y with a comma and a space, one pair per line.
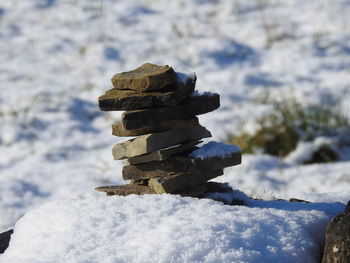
180, 181
201, 190
220, 192
126, 189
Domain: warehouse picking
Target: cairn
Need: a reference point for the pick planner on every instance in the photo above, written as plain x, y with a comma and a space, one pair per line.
161, 108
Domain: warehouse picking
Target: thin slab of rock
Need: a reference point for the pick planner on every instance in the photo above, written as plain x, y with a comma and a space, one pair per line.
116, 100
162, 154
154, 142
337, 245
145, 78
126, 189
178, 164
195, 105
119, 130
180, 181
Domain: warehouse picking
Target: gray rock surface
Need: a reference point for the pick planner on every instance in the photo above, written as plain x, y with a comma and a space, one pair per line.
156, 141
337, 245
145, 78
195, 105
178, 164
181, 181
162, 154
116, 100
119, 130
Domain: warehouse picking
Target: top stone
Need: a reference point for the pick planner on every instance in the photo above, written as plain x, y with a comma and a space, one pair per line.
145, 78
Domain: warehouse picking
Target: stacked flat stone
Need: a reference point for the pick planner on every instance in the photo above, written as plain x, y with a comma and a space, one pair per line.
160, 109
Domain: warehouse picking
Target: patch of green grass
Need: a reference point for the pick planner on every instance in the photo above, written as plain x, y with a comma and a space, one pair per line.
290, 122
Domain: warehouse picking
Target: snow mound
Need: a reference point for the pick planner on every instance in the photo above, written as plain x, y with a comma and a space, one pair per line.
305, 150
215, 149
164, 228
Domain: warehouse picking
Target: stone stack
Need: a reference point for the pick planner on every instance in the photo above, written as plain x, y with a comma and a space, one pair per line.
160, 109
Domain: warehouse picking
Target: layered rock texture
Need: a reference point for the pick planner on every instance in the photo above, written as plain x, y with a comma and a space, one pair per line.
337, 244
165, 157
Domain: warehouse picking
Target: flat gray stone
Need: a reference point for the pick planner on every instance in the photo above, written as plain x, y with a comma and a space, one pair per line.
195, 105
162, 154
156, 141
178, 164
126, 189
180, 181
116, 100
145, 78
119, 130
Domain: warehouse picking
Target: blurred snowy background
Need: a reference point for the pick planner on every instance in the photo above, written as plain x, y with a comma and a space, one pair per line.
57, 57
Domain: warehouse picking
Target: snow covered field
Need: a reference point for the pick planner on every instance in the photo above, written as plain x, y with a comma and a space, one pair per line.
57, 57
170, 229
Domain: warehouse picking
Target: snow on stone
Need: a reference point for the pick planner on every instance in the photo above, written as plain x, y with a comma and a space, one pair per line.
167, 228
205, 93
215, 149
182, 77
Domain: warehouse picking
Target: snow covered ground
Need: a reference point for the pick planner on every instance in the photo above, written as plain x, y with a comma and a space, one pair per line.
169, 228
57, 57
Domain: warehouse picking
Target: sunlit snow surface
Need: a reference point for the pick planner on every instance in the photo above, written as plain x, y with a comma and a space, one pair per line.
215, 149
167, 228
57, 57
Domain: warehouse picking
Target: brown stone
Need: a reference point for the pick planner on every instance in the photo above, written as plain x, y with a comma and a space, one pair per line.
139, 182
145, 78
162, 154
189, 108
119, 130
154, 142
178, 164
116, 99
126, 189
180, 181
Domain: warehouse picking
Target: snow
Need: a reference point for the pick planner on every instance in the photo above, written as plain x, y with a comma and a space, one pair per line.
305, 150
205, 93
57, 57
215, 149
182, 77
166, 228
